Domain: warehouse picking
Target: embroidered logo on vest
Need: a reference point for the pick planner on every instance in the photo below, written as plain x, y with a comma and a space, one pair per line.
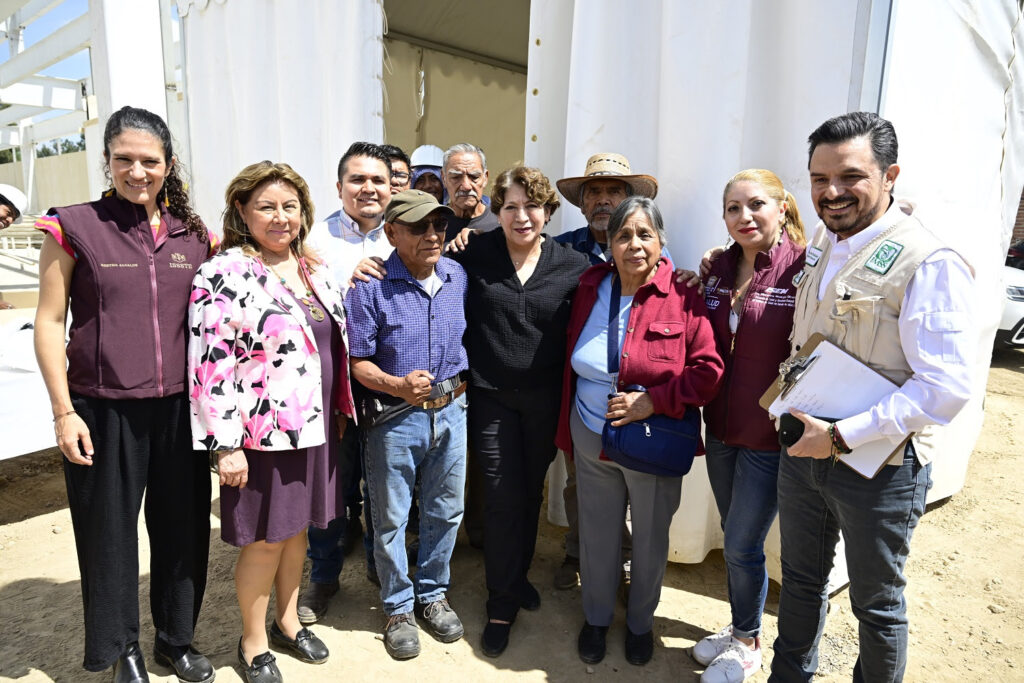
799, 277
812, 256
883, 258
712, 283
179, 260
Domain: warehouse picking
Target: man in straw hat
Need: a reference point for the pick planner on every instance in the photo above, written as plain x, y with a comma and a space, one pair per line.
606, 181
12, 204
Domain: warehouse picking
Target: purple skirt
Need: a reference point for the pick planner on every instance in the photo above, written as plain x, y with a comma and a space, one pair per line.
289, 491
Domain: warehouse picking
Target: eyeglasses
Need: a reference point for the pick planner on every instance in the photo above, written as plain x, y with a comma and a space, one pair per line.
398, 175
419, 228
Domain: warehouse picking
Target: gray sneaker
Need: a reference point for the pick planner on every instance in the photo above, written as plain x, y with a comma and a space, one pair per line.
442, 621
402, 636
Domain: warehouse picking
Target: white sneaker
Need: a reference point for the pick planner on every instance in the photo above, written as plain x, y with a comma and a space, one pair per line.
735, 664
706, 650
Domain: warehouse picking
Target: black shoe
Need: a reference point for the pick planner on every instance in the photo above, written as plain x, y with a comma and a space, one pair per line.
639, 648
402, 636
529, 598
314, 601
568, 574
189, 665
305, 647
590, 644
131, 666
442, 621
262, 670
495, 638
371, 576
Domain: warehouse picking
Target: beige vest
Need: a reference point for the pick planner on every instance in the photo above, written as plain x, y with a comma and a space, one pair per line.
860, 309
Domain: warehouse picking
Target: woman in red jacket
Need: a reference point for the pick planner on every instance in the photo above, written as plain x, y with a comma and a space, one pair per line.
750, 295
667, 347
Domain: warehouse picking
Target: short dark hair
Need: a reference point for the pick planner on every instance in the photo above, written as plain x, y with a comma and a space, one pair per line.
880, 132
396, 154
364, 149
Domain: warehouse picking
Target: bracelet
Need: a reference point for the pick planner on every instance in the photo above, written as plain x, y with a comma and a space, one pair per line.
70, 412
839, 446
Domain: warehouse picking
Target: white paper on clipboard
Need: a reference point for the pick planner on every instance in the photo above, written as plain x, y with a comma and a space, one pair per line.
838, 385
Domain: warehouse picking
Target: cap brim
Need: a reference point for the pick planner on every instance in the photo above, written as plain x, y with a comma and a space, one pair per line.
418, 213
642, 185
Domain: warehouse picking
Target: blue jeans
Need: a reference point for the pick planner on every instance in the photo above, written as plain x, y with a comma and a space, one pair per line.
432, 442
745, 484
817, 501
326, 546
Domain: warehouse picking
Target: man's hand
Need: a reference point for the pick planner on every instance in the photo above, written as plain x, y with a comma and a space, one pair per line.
629, 407
815, 442
460, 241
233, 468
415, 387
371, 266
690, 278
709, 257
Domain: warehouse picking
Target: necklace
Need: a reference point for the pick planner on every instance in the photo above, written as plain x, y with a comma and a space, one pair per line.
315, 312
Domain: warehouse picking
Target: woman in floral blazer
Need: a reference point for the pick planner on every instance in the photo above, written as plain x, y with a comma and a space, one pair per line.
268, 370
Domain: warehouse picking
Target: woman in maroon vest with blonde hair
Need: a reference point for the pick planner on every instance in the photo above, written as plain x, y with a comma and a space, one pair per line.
750, 295
125, 263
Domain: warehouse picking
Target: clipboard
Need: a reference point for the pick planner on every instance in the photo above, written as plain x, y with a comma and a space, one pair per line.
808, 381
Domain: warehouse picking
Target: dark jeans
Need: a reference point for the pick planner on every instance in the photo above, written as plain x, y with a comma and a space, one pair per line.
817, 501
141, 445
745, 484
512, 434
326, 546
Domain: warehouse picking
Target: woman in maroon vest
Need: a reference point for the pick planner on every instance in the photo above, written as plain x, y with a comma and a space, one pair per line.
750, 296
121, 415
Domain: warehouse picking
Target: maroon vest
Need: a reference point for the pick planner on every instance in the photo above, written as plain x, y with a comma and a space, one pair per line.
762, 342
129, 299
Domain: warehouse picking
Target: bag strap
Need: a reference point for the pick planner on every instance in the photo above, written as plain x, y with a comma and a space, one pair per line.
613, 326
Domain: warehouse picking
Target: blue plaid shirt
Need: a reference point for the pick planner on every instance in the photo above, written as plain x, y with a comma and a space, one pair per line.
397, 325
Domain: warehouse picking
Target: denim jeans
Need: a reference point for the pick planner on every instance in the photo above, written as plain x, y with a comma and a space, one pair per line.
432, 442
326, 546
745, 484
817, 501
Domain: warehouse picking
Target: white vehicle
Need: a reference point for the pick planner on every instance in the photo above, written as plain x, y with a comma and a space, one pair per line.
1011, 328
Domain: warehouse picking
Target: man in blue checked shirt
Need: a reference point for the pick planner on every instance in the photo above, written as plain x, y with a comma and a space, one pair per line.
405, 337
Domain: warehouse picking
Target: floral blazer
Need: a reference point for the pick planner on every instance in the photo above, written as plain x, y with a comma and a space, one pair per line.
253, 365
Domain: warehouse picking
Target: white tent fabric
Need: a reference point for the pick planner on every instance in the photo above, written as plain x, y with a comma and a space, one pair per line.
267, 81
693, 92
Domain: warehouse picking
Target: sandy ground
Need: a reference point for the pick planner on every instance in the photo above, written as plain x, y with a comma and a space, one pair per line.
966, 592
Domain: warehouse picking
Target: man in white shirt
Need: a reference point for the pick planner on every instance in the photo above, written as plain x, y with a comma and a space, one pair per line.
880, 285
346, 239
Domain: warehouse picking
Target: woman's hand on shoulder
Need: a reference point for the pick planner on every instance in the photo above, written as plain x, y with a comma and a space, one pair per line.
73, 439
628, 407
233, 468
459, 242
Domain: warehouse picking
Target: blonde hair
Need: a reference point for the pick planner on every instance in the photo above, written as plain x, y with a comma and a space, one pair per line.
773, 187
241, 189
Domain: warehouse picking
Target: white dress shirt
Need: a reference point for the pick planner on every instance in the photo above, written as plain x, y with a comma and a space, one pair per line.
937, 335
342, 245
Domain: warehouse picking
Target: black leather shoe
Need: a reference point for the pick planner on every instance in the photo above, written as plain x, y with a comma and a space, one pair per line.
189, 665
495, 638
263, 668
639, 648
306, 647
529, 598
590, 644
131, 666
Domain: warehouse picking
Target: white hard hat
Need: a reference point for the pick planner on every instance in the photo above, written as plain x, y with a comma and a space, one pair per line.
427, 155
14, 198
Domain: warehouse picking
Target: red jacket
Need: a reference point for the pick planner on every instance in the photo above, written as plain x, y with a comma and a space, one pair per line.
762, 342
672, 351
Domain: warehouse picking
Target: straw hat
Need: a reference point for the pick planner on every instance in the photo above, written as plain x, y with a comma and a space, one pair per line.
611, 166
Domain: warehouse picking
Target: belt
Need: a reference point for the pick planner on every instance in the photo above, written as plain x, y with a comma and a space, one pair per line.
442, 401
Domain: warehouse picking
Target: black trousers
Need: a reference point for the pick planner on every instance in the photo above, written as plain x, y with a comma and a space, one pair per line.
513, 436
141, 445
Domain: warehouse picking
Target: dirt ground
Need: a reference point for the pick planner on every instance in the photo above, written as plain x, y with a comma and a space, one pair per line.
966, 592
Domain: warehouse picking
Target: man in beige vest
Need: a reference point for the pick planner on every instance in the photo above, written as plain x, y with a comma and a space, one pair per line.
880, 285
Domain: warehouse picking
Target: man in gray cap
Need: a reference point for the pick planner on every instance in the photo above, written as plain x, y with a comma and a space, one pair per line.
405, 340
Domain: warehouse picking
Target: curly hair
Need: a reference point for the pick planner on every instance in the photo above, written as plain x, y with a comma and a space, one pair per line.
173, 192
534, 183
241, 189
773, 187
